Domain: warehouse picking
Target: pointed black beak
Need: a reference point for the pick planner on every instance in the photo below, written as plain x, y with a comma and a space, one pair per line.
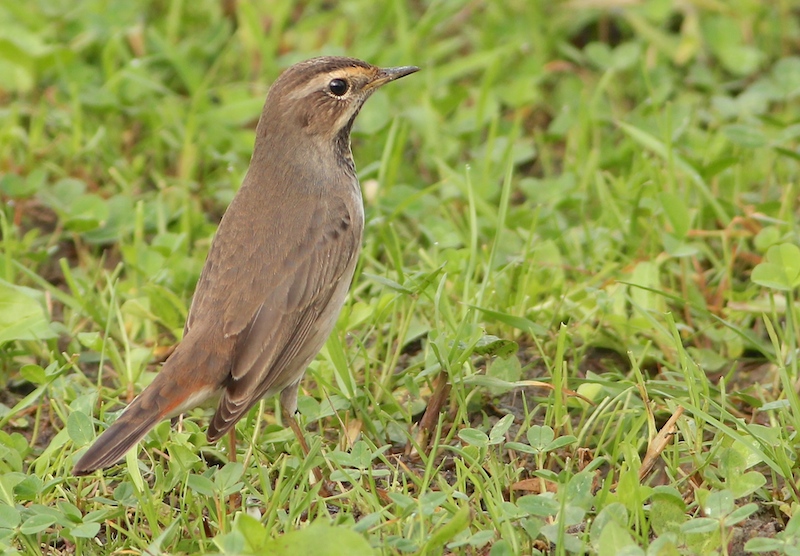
385, 75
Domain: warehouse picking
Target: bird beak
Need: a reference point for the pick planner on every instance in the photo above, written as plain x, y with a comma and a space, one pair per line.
390, 74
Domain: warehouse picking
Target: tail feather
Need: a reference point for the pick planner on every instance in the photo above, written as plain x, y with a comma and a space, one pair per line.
120, 437
188, 379
159, 401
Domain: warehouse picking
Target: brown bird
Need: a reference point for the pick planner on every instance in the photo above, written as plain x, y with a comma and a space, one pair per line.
279, 267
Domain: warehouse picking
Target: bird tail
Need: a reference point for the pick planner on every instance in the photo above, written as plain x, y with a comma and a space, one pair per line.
134, 423
171, 393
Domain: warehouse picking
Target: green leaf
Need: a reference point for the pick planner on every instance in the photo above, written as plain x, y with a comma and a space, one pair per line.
665, 545
202, 485
508, 370
388, 283
519, 323
34, 374
321, 540
29, 489
492, 345
762, 544
80, 428
615, 539
22, 316
9, 516
445, 533
499, 430
647, 297
431, 501
227, 478
520, 447
786, 76
85, 530
36, 524
254, 533
70, 511
87, 212
742, 513
540, 437
579, 491
538, 505
724, 36
402, 501
700, 525
676, 212
474, 437
793, 526
8, 481
15, 185
745, 135
780, 269
625, 55
560, 442
613, 513
501, 548
719, 504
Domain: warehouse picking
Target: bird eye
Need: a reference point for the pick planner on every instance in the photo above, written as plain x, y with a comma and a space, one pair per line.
338, 87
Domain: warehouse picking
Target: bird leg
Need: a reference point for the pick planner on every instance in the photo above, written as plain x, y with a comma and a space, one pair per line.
232, 445
298, 432
288, 409
235, 499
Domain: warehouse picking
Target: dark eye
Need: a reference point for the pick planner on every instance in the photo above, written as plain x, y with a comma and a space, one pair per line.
338, 87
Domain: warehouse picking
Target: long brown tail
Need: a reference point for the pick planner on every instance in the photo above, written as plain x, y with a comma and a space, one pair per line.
183, 383
134, 423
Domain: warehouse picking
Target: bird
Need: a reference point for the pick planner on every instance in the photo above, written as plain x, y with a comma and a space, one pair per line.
280, 265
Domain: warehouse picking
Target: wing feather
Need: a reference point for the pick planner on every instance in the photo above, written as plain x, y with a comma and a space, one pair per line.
287, 324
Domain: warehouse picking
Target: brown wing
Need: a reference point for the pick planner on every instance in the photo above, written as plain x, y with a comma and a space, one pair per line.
276, 311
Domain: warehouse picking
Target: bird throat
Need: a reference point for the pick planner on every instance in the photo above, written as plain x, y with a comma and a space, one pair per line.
341, 146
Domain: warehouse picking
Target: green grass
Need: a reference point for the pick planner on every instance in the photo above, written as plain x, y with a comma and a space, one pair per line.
581, 220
